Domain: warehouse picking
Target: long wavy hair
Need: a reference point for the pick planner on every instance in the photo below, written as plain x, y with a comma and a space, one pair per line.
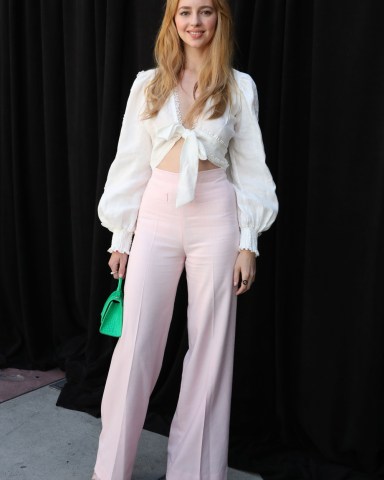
215, 76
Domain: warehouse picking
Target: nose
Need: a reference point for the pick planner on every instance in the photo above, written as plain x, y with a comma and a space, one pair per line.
195, 20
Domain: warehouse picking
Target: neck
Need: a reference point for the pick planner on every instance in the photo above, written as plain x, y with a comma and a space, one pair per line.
194, 59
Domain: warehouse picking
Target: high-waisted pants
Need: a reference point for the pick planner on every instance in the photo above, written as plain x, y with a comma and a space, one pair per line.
203, 237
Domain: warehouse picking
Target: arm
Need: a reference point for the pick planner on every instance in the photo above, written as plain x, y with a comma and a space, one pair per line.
254, 186
129, 172
255, 189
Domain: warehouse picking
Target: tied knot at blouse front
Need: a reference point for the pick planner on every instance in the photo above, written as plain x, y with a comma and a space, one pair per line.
232, 142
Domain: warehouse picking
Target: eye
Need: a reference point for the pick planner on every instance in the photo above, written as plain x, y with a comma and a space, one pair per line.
207, 13
184, 13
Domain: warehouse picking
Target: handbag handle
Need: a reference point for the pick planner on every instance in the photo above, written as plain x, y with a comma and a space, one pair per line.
120, 284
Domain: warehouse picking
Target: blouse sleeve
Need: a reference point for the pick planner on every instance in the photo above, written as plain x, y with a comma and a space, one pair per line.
129, 172
255, 189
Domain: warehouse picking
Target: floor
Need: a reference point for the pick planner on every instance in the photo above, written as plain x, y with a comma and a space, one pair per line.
15, 382
40, 441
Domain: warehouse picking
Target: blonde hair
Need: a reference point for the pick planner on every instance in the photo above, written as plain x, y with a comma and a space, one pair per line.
215, 77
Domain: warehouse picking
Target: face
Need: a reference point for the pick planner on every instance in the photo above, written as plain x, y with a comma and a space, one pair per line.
196, 22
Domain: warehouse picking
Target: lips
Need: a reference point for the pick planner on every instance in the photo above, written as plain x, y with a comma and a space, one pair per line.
196, 34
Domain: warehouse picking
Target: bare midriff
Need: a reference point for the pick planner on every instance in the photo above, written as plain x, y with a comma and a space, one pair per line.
171, 162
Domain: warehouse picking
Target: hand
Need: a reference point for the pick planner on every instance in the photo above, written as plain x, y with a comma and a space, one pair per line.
118, 264
244, 270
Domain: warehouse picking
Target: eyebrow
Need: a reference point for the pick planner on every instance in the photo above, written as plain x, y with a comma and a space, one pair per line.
189, 8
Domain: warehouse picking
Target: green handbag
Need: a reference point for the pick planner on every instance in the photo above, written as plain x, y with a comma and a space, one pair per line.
112, 313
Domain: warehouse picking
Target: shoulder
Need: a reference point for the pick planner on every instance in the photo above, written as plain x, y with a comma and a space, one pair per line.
245, 88
241, 77
144, 75
143, 78
244, 82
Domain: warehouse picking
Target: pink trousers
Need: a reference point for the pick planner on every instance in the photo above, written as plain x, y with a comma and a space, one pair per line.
203, 236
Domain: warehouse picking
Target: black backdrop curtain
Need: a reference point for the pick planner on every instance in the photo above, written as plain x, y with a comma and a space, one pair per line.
308, 390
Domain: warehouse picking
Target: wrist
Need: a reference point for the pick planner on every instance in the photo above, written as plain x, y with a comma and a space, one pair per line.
248, 252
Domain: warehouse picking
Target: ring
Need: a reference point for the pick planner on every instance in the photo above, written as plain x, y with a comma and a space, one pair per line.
113, 273
245, 282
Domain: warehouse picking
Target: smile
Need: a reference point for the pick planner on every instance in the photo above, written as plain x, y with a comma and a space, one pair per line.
196, 34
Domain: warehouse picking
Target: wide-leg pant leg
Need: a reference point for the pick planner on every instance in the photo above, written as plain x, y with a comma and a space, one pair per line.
154, 268
198, 442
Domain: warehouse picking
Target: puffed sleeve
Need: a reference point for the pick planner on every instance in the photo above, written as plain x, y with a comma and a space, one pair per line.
254, 186
129, 172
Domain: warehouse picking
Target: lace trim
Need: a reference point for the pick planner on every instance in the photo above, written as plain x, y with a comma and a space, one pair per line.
216, 137
178, 109
177, 104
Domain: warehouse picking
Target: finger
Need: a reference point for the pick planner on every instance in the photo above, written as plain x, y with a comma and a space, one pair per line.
123, 265
245, 285
242, 289
121, 270
236, 276
114, 266
115, 272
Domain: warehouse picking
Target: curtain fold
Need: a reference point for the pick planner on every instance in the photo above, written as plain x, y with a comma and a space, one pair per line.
308, 390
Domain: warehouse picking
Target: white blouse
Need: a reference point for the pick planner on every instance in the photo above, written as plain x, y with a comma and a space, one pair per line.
232, 142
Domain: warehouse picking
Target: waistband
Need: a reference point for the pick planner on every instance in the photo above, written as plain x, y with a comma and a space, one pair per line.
204, 176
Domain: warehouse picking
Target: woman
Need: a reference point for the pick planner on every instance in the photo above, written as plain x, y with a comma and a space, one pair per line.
190, 183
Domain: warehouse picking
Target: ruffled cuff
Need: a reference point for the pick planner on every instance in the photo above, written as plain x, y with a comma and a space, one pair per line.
248, 240
121, 242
